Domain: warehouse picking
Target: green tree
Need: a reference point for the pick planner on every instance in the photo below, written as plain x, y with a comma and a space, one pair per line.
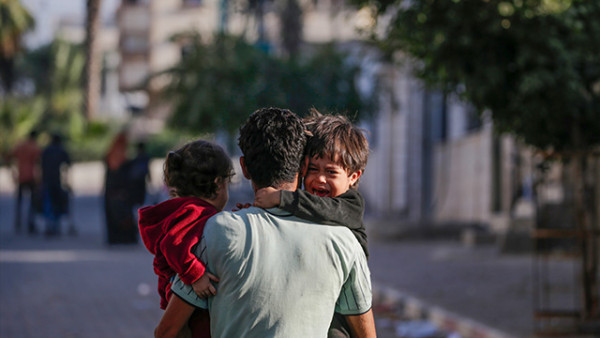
55, 70
15, 21
17, 118
217, 85
60, 85
534, 64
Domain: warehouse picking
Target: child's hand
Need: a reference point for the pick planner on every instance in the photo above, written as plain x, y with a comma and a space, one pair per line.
203, 287
267, 197
240, 206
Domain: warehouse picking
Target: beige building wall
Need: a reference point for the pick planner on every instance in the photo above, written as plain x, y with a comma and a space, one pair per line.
386, 181
147, 26
463, 179
145, 45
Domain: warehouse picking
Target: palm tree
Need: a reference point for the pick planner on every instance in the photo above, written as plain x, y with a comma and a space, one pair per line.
92, 62
15, 21
291, 27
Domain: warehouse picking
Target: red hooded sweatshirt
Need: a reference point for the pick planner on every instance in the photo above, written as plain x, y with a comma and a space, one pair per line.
170, 230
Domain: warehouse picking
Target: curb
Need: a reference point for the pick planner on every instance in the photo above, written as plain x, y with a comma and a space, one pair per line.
416, 309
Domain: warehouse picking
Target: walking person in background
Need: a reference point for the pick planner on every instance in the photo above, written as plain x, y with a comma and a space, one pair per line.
27, 155
55, 165
121, 227
139, 175
197, 175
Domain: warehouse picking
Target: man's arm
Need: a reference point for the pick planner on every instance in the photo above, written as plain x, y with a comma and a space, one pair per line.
186, 291
175, 318
363, 325
355, 299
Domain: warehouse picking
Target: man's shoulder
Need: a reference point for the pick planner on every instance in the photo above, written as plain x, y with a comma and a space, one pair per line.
231, 219
227, 230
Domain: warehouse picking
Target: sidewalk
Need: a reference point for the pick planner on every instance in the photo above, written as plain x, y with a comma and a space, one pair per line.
472, 292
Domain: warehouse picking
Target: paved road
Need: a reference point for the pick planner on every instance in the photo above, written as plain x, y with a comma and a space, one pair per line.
78, 287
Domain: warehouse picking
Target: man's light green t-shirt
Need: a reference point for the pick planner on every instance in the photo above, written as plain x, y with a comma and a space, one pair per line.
280, 276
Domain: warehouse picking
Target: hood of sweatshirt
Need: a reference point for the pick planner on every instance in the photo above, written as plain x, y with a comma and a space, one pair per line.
154, 220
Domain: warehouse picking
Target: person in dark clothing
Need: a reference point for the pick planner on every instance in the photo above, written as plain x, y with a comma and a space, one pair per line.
139, 173
337, 154
55, 163
121, 227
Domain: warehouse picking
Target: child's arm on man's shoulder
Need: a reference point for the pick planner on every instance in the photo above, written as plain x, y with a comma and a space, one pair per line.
346, 209
267, 197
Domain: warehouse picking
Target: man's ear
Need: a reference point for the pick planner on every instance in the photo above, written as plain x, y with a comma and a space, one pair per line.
244, 169
354, 177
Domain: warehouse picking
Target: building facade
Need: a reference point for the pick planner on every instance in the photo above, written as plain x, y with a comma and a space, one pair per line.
434, 162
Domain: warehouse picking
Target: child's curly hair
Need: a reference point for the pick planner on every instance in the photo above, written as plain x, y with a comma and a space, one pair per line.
196, 169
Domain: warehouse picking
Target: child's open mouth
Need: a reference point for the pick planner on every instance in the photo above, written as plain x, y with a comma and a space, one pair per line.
321, 192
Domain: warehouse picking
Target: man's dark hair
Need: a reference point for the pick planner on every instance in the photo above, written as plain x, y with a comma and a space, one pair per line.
336, 136
272, 141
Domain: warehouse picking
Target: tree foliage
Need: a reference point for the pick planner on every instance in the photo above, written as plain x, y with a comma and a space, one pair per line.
535, 64
218, 84
15, 21
54, 105
56, 71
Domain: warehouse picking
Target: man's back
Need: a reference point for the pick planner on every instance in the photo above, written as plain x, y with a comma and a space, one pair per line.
281, 276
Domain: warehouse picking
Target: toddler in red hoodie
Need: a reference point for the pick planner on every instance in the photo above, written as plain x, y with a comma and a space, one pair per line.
197, 176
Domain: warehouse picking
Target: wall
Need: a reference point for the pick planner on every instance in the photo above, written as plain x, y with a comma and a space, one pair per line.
392, 179
463, 179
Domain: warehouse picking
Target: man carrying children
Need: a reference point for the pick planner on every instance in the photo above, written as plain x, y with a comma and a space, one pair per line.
280, 275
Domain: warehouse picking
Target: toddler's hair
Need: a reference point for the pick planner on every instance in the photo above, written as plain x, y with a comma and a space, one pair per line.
336, 136
196, 168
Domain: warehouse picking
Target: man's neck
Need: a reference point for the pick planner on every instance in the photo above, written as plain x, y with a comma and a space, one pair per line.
291, 186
